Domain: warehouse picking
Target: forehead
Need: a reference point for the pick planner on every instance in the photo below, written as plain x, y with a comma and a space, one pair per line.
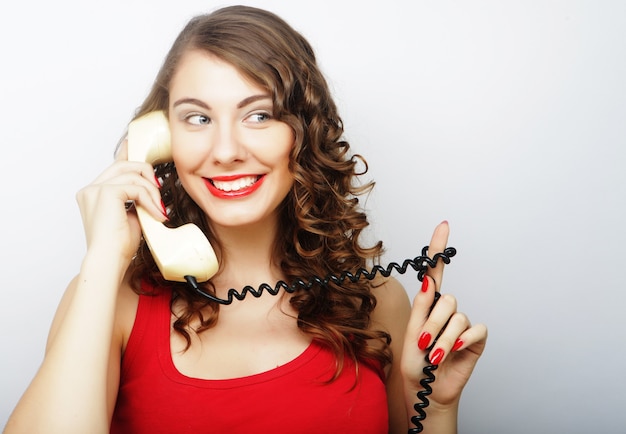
201, 72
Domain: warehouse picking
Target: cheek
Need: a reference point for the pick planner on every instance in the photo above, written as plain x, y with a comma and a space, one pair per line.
186, 163
178, 148
186, 153
286, 143
282, 165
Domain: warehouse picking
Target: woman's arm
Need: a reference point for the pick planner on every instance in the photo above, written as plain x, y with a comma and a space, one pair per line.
71, 391
75, 388
391, 314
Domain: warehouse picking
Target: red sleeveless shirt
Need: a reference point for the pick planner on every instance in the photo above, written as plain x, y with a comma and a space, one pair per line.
295, 398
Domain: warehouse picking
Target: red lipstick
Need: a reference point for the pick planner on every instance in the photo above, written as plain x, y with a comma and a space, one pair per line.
233, 194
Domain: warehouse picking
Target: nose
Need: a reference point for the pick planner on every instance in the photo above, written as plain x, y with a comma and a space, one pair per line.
226, 146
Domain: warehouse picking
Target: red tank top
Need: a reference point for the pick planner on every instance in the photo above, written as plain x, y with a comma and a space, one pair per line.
295, 398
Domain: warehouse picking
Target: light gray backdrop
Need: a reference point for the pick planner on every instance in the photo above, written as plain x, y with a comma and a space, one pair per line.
507, 118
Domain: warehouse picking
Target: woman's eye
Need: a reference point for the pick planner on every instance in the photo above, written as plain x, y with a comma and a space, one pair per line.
198, 119
259, 117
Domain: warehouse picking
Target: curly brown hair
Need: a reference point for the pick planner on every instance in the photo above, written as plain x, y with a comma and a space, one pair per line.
320, 219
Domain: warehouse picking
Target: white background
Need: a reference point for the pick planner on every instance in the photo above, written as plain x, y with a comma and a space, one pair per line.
506, 118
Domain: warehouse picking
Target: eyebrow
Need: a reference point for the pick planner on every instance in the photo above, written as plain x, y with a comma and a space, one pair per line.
244, 102
249, 100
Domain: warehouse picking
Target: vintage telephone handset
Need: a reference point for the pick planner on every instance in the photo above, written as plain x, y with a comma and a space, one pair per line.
185, 254
178, 252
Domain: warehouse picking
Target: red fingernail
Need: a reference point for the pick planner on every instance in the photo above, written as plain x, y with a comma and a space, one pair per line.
423, 341
164, 210
437, 356
425, 284
458, 344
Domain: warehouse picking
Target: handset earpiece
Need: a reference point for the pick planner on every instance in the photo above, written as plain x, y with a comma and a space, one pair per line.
178, 252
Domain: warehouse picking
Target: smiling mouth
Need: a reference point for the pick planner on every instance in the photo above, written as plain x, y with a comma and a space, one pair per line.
236, 184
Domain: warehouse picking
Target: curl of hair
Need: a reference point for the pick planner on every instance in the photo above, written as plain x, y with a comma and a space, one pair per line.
320, 218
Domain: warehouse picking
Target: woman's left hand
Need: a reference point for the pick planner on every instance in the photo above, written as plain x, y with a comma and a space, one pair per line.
458, 344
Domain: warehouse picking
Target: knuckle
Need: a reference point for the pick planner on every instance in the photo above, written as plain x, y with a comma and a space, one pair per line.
448, 300
483, 331
84, 193
459, 322
460, 318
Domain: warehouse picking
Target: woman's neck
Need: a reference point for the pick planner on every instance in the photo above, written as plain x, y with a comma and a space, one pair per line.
247, 255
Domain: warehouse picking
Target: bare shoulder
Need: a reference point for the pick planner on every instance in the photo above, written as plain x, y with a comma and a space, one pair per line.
392, 302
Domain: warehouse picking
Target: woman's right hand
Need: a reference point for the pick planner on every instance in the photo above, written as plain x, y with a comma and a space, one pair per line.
103, 205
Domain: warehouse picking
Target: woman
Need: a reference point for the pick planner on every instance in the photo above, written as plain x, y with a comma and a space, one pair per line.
260, 166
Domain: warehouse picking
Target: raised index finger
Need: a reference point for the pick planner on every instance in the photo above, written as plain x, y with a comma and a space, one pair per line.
438, 243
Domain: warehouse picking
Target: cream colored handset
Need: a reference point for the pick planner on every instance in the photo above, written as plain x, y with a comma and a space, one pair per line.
178, 252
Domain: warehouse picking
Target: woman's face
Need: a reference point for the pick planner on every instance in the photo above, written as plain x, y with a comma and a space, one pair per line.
231, 155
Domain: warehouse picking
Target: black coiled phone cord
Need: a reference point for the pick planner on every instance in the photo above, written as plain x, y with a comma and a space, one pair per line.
422, 395
419, 263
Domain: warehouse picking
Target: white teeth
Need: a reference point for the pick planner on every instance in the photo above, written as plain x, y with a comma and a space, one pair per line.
235, 185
